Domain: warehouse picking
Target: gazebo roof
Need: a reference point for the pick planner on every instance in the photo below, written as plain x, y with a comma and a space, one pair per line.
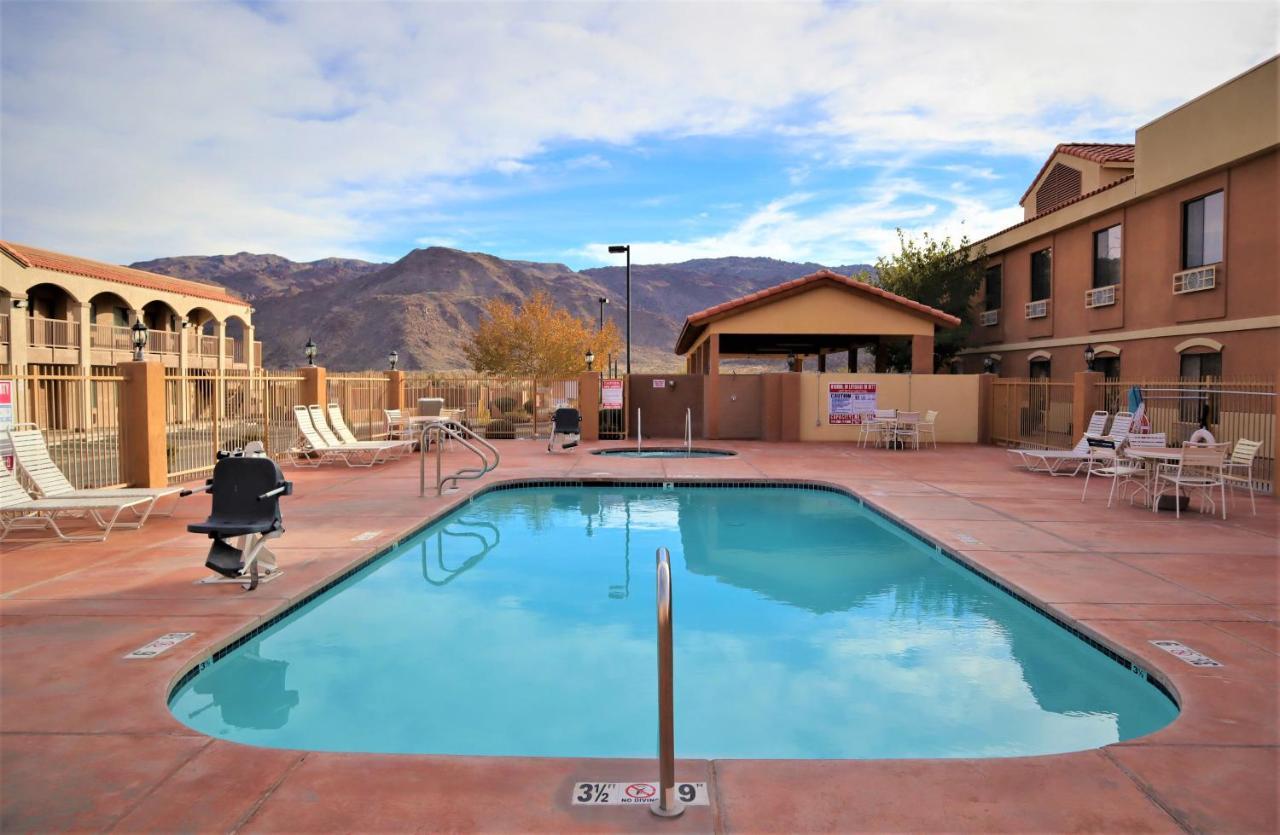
696, 323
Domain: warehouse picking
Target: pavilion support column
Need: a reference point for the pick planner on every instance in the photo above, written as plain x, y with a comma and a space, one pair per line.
822, 362
922, 354
852, 362
882, 356
797, 363
711, 390
1084, 399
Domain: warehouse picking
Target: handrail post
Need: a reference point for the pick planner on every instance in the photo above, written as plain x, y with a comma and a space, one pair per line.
688, 432
639, 429
669, 804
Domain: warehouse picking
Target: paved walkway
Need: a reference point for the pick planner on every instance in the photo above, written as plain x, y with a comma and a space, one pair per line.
87, 742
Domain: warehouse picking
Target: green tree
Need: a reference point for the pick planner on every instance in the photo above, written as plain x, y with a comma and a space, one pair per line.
539, 341
939, 273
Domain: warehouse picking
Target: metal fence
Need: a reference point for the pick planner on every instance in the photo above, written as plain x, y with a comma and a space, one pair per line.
1232, 409
79, 416
1032, 413
497, 407
205, 412
363, 399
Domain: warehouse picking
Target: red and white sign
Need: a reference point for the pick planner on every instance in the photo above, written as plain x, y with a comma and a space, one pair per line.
659, 383
6, 421
610, 394
850, 403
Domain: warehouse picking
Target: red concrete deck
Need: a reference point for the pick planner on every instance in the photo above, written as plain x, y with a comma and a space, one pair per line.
87, 742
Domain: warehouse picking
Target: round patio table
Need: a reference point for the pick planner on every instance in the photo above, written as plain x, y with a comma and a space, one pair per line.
1159, 455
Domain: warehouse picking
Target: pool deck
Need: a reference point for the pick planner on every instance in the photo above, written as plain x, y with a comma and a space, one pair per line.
87, 742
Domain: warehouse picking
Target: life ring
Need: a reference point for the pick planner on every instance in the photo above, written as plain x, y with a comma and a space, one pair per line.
1202, 437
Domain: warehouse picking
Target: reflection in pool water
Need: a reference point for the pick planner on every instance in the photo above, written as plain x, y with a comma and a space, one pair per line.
805, 627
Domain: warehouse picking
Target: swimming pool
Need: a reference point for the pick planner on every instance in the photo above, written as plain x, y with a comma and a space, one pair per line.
805, 626
665, 452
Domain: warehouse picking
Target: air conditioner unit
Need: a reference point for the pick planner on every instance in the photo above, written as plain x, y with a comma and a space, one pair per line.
1038, 310
1100, 296
989, 317
1192, 281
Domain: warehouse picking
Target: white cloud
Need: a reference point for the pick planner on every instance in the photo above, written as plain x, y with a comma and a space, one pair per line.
311, 129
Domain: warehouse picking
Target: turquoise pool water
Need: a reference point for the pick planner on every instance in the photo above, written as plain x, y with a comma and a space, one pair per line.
805, 626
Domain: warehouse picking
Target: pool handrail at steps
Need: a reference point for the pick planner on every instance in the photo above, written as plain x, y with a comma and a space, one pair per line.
460, 433
668, 804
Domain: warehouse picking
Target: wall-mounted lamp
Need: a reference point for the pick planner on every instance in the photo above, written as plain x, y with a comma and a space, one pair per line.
671, 384
310, 351
19, 304
989, 365
392, 359
591, 358
1088, 357
139, 334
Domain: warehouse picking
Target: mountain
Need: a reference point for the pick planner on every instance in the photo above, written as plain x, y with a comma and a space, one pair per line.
424, 304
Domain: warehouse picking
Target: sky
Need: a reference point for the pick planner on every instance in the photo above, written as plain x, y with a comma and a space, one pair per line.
545, 132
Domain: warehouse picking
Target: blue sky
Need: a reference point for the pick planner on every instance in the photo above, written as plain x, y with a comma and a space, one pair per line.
804, 131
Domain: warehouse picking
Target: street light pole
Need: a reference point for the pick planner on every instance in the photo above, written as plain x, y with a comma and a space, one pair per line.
616, 249
603, 302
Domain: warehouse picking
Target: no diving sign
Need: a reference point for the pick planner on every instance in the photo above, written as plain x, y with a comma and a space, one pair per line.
632, 794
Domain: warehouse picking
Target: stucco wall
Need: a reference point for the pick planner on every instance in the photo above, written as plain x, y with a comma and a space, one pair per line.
954, 396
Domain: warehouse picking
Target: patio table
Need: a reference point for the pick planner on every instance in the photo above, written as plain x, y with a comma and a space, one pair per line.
1154, 456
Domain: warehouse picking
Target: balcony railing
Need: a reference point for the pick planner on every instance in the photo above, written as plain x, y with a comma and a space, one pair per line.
989, 317
1191, 281
207, 346
1100, 296
112, 337
54, 333
4, 328
163, 342
1038, 309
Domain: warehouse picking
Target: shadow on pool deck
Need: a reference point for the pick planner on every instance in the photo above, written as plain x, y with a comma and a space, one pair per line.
87, 742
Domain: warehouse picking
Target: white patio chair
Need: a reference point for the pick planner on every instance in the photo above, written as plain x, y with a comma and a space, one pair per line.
907, 428
345, 436
398, 426
1239, 468
1105, 461
1200, 468
1050, 460
18, 511
1120, 427
877, 427
374, 452
927, 427
32, 456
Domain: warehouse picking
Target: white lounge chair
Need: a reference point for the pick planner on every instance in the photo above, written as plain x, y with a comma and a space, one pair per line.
18, 511
1056, 461
345, 436
1119, 431
379, 451
319, 448
32, 455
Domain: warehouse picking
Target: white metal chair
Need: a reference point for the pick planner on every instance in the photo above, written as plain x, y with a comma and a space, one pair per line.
18, 511
32, 455
907, 428
398, 428
1106, 462
1238, 471
927, 425
1200, 468
877, 427
1050, 460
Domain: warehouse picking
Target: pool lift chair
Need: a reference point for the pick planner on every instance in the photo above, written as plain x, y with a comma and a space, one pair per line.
566, 423
246, 489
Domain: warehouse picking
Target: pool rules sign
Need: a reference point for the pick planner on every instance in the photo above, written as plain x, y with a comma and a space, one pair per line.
850, 403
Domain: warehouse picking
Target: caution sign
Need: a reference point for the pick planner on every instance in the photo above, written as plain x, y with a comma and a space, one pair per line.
850, 403
610, 394
635, 794
6, 422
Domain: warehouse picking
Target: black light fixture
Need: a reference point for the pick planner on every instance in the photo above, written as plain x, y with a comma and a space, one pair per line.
617, 249
591, 358
139, 334
1088, 358
393, 358
603, 302
988, 365
791, 361
310, 350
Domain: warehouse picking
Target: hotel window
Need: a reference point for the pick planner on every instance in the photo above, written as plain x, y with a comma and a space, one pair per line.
1041, 270
993, 288
1202, 231
1039, 369
1106, 257
1200, 367
1202, 405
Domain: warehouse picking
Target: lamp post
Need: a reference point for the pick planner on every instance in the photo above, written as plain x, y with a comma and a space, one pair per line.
139, 333
616, 249
591, 358
603, 302
1088, 358
393, 358
988, 365
310, 350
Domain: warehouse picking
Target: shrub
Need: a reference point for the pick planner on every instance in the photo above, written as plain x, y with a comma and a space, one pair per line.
500, 429
504, 404
528, 407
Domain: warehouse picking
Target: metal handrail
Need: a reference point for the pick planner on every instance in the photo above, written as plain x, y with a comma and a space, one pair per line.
639, 428
688, 431
459, 433
669, 804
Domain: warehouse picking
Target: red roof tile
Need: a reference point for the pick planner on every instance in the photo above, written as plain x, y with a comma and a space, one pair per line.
703, 317
1062, 205
1099, 152
29, 256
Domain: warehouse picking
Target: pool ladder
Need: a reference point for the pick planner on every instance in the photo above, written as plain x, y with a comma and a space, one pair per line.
669, 804
451, 429
688, 432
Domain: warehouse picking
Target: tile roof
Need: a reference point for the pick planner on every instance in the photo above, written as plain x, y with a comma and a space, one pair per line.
1099, 152
1062, 205
29, 256
703, 317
